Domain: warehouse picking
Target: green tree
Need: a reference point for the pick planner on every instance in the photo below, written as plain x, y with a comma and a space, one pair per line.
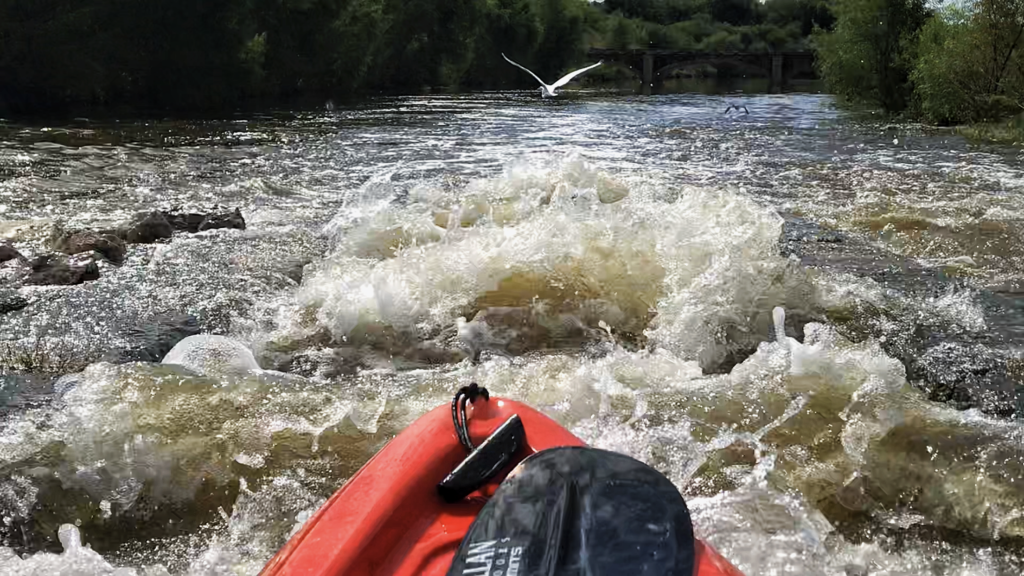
509, 26
808, 14
968, 65
71, 56
999, 25
944, 76
314, 47
662, 12
869, 54
43, 58
426, 42
736, 12
626, 34
723, 41
561, 43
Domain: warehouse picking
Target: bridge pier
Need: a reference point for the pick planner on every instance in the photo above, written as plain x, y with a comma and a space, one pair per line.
777, 76
648, 69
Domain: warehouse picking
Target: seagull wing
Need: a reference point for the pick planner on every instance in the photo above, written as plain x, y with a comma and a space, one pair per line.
523, 67
568, 77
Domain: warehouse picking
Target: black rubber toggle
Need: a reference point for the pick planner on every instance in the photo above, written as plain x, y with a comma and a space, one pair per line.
486, 460
465, 395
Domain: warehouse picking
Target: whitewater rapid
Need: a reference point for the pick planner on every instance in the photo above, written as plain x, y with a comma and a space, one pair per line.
635, 309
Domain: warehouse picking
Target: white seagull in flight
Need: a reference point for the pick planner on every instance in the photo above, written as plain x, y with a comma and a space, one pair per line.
548, 90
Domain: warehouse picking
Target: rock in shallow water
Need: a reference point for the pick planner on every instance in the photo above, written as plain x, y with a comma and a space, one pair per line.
154, 337
7, 252
225, 220
144, 228
950, 358
148, 228
11, 301
212, 355
57, 270
73, 242
152, 226
193, 223
184, 222
966, 375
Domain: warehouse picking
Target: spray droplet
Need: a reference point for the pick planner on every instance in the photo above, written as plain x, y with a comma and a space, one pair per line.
779, 318
69, 537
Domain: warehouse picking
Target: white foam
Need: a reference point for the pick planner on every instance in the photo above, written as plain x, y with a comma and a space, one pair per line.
705, 260
753, 450
75, 560
212, 355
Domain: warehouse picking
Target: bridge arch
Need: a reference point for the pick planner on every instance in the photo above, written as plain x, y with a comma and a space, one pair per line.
667, 69
654, 64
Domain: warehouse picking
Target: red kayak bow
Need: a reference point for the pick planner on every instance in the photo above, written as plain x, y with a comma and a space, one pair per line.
407, 511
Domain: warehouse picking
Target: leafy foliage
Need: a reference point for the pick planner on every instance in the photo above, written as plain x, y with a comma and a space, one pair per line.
960, 64
869, 54
67, 56
945, 82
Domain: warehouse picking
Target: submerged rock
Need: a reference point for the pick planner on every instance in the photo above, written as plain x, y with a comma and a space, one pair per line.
59, 270
513, 331
212, 355
295, 268
73, 242
184, 222
148, 228
76, 559
223, 220
192, 222
959, 361
8, 252
966, 375
154, 337
11, 301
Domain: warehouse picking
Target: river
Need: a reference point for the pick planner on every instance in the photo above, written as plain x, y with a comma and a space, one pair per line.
626, 251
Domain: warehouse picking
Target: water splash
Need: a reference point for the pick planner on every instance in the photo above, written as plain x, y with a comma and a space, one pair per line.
637, 294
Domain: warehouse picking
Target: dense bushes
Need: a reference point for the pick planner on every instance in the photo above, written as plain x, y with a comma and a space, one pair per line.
869, 54
960, 64
70, 56
713, 25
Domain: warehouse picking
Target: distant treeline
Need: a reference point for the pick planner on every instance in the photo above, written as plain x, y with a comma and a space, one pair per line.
957, 64
75, 56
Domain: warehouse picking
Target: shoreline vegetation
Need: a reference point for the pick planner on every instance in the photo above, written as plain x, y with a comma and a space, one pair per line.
955, 65
195, 57
1010, 132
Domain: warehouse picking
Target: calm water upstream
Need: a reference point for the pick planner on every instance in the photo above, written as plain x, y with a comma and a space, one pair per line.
626, 250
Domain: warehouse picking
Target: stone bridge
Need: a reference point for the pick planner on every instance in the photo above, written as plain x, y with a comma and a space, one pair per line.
654, 66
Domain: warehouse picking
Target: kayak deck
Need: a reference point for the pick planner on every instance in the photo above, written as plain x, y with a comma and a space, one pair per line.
388, 519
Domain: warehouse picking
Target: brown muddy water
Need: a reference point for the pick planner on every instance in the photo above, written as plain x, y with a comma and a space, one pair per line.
617, 259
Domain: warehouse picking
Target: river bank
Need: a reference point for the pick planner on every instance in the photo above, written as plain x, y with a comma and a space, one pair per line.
1009, 131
